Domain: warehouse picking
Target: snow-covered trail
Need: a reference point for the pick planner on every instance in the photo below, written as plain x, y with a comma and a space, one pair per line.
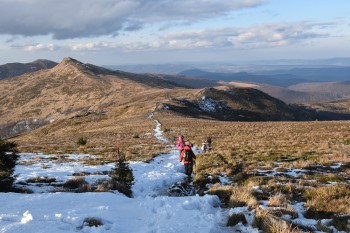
146, 212
163, 171
158, 134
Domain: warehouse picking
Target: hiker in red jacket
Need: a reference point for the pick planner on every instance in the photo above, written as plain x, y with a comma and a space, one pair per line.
187, 157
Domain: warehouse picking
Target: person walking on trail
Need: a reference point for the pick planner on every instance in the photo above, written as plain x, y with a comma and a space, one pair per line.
204, 147
180, 143
187, 157
209, 143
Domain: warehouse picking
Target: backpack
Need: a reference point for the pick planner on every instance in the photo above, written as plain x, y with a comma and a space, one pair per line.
188, 156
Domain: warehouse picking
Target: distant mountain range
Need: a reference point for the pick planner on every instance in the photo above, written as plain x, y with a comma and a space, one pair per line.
321, 74
15, 69
336, 61
332, 89
283, 78
252, 67
155, 68
72, 90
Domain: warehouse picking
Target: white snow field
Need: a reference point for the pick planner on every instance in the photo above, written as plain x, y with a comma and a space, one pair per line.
147, 212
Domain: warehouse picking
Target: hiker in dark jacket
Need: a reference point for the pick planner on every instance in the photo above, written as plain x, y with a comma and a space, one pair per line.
187, 157
209, 143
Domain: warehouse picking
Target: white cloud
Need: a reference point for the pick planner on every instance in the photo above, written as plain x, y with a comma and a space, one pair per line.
65, 19
259, 36
37, 47
254, 37
91, 46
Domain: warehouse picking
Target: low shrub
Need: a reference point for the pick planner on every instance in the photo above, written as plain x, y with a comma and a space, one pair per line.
82, 173
122, 176
82, 141
8, 160
347, 141
22, 190
41, 180
78, 185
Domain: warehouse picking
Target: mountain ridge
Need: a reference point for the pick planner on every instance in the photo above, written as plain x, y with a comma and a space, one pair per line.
335, 89
50, 101
238, 104
71, 88
15, 69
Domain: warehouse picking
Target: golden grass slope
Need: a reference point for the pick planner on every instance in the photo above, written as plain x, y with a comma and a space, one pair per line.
84, 100
62, 92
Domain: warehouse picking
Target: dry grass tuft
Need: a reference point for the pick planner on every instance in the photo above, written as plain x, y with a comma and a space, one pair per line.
271, 224
243, 195
278, 200
235, 196
327, 201
104, 185
40, 179
78, 185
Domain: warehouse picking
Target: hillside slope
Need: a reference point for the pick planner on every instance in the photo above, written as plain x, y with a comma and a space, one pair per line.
332, 89
15, 69
237, 104
294, 96
69, 89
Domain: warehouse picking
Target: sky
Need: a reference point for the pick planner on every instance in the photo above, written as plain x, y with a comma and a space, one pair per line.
120, 32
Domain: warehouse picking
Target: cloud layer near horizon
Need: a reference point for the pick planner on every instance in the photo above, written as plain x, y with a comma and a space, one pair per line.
254, 37
67, 19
